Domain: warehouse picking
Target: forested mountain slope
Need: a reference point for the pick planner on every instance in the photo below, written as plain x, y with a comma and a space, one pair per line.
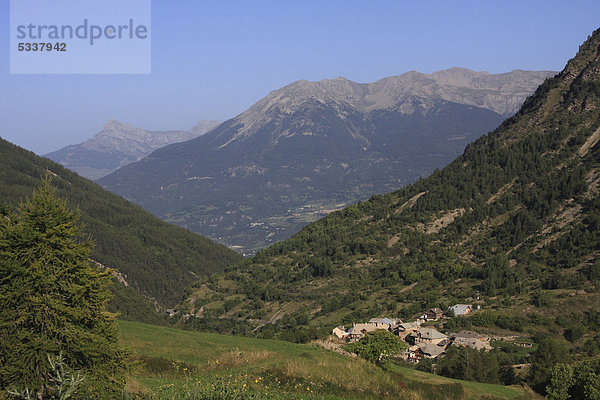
514, 219
159, 260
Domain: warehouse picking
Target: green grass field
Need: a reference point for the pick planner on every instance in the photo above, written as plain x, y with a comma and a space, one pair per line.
176, 364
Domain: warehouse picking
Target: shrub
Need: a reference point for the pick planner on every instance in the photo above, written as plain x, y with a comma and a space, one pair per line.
574, 333
377, 346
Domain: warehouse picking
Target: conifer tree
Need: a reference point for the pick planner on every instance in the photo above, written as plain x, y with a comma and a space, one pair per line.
52, 301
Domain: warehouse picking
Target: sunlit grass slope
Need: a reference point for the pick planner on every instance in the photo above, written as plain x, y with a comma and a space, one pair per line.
178, 364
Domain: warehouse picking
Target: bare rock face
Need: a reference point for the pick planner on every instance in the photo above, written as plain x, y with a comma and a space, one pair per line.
500, 93
119, 137
118, 144
204, 126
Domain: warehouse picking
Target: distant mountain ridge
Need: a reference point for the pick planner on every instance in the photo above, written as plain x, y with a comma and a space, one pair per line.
312, 147
118, 144
501, 93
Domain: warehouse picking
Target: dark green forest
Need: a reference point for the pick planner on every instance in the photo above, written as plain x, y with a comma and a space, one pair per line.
157, 259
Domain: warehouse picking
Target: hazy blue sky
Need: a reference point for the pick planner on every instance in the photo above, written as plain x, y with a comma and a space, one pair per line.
213, 59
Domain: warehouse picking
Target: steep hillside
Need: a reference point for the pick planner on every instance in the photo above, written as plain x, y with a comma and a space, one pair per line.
158, 259
119, 144
512, 224
313, 147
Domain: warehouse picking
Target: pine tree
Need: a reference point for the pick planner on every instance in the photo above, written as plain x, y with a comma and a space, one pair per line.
52, 301
548, 353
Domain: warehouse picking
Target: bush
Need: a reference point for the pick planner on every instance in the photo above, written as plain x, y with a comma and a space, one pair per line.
592, 346
540, 298
574, 333
377, 346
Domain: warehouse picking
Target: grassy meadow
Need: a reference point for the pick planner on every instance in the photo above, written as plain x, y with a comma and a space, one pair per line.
176, 364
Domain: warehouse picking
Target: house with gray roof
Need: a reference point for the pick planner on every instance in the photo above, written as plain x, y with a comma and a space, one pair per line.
471, 339
460, 309
427, 335
383, 323
388, 321
405, 326
477, 344
431, 350
358, 331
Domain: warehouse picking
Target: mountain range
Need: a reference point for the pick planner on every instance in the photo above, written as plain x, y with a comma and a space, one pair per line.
313, 147
118, 144
512, 225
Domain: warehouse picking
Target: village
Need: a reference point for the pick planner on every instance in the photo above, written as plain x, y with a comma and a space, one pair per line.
424, 342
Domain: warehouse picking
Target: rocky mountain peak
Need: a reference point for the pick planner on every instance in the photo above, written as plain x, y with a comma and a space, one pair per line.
113, 125
204, 126
113, 129
501, 93
119, 144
